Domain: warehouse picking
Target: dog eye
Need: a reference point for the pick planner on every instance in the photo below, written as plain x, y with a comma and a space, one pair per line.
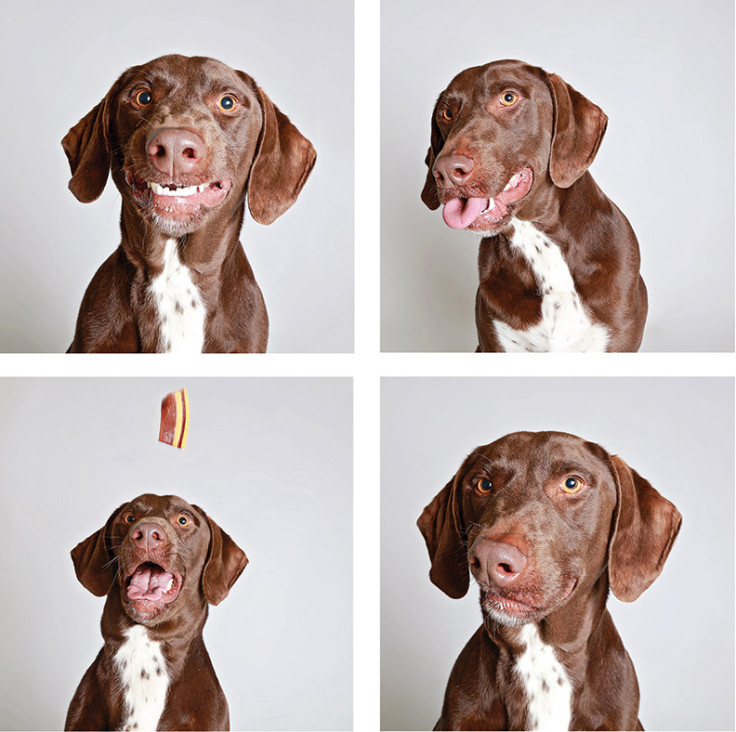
129, 518
227, 103
572, 484
445, 114
483, 486
509, 98
183, 520
142, 98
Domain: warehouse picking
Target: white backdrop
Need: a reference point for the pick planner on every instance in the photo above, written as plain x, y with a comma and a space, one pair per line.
270, 460
662, 70
677, 433
300, 53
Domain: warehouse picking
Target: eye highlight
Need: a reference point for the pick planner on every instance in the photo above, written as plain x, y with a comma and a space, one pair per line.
445, 114
227, 103
183, 520
508, 99
572, 484
483, 486
129, 517
142, 98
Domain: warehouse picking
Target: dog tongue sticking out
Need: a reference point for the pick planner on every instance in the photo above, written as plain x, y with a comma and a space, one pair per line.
459, 213
150, 582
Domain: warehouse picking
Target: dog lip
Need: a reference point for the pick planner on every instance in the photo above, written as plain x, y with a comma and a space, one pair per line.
517, 605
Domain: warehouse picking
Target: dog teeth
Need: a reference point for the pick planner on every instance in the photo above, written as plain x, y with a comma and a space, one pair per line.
513, 182
160, 190
171, 584
490, 207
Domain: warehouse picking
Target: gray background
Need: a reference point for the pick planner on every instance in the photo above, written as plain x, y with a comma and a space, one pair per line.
270, 460
678, 433
663, 71
57, 60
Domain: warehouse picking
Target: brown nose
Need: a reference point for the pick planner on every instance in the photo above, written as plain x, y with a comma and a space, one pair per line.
175, 152
496, 563
147, 536
452, 170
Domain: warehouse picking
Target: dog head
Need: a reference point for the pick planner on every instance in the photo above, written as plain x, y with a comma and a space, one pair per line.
538, 518
185, 137
162, 555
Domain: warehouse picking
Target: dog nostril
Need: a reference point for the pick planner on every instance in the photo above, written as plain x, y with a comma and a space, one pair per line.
189, 152
506, 568
474, 563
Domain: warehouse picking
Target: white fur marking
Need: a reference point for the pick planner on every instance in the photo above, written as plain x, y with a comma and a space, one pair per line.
181, 311
547, 686
143, 678
565, 325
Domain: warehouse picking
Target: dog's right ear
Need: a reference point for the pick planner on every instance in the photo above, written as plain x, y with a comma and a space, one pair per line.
440, 526
88, 147
429, 192
94, 562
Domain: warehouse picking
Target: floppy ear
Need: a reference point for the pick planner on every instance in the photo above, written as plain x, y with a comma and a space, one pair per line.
441, 528
284, 159
94, 563
577, 132
225, 563
645, 527
88, 147
429, 192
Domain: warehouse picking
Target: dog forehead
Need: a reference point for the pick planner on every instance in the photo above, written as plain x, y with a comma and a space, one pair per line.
540, 450
151, 503
496, 76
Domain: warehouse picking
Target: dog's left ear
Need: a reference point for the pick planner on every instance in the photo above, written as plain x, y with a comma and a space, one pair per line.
225, 563
436, 143
283, 161
94, 562
645, 527
579, 126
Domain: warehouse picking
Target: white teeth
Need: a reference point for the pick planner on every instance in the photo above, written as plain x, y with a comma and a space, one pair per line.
490, 207
513, 182
171, 584
160, 190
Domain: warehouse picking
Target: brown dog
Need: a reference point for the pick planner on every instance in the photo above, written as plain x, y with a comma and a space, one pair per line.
160, 561
545, 522
185, 139
559, 263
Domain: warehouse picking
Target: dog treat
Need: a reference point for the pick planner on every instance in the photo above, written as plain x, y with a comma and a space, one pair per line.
175, 419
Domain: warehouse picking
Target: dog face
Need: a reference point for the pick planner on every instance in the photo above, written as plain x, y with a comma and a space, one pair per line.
163, 556
502, 135
186, 137
538, 518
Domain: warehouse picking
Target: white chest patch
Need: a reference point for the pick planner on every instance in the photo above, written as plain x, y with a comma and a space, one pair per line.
143, 678
565, 325
547, 686
181, 311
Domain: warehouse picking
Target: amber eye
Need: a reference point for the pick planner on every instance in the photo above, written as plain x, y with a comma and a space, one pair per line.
572, 484
227, 103
129, 518
142, 98
183, 520
445, 114
483, 486
509, 98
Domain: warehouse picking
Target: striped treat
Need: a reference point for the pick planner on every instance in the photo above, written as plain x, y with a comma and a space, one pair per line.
175, 419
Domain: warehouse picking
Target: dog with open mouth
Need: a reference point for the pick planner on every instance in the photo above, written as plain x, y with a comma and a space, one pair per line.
186, 140
558, 261
546, 523
160, 561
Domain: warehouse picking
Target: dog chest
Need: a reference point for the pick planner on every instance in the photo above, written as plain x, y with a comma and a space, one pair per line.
565, 325
144, 680
546, 684
181, 310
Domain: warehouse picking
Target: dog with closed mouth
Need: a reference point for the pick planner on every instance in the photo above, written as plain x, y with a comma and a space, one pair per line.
546, 523
186, 140
160, 562
558, 262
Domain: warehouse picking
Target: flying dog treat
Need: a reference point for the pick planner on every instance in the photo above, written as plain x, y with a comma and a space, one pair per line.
175, 419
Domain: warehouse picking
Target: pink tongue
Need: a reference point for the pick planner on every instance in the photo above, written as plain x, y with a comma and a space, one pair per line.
148, 583
459, 213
